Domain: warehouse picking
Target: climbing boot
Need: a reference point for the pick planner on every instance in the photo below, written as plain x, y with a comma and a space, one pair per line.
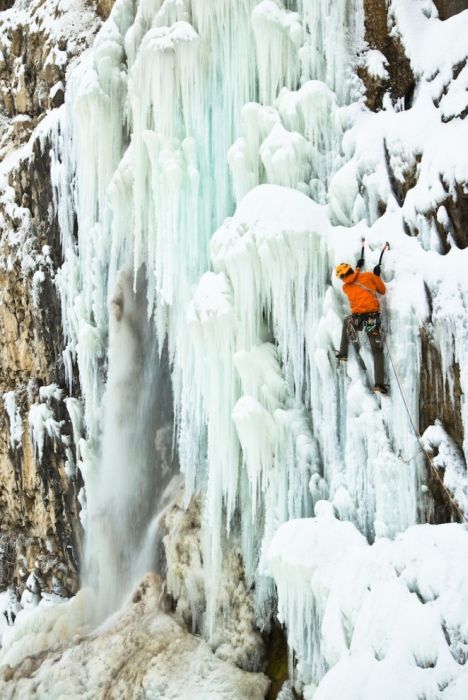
339, 356
381, 389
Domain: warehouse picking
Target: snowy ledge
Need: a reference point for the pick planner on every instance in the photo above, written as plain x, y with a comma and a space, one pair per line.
386, 620
51, 652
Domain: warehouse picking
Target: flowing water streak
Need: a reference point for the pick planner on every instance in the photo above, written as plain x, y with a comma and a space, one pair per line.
134, 467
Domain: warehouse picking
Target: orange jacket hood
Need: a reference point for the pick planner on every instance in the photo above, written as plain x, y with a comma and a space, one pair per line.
362, 288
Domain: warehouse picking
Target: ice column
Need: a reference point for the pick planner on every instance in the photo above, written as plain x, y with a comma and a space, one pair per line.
335, 33
87, 147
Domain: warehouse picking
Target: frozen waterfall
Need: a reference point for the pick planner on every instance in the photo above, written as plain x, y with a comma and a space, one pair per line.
212, 163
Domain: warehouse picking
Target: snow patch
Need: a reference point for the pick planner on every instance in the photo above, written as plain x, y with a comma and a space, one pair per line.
388, 614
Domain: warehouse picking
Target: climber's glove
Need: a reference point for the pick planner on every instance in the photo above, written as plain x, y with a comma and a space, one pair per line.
360, 263
377, 270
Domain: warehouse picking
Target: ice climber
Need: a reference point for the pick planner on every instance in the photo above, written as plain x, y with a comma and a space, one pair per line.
362, 288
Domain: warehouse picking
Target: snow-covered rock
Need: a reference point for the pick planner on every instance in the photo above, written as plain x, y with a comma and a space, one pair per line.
383, 620
141, 652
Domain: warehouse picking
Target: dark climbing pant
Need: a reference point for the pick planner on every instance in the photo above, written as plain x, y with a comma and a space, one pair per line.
370, 323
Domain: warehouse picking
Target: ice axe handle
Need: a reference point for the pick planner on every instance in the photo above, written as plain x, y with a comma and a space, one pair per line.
386, 247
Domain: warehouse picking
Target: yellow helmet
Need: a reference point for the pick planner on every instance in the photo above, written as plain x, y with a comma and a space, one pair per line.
343, 269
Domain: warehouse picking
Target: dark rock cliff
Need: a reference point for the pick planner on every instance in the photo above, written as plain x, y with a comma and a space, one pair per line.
39, 509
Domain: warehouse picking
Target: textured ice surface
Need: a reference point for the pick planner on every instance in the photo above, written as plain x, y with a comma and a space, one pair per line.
42, 421
381, 620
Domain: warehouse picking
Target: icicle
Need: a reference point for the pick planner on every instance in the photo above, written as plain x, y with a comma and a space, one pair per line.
87, 146
42, 423
278, 36
330, 45
14, 416
75, 411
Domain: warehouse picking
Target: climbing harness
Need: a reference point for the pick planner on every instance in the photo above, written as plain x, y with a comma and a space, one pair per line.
373, 324
418, 435
370, 323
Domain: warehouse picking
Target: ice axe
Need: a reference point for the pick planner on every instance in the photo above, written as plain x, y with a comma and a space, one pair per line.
386, 247
361, 259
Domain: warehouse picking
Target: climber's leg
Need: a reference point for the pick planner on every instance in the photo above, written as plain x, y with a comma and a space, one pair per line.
376, 343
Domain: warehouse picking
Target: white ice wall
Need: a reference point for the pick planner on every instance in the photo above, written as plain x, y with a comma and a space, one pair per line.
183, 110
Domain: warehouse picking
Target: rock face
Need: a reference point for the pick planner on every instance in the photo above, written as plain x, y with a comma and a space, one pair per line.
35, 54
39, 524
133, 656
456, 205
104, 7
235, 638
448, 8
438, 401
398, 79
38, 501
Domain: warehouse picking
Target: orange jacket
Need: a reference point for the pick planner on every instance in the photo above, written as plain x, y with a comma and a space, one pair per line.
361, 288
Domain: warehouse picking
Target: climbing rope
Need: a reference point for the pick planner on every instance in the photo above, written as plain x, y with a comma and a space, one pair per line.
418, 435
408, 461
